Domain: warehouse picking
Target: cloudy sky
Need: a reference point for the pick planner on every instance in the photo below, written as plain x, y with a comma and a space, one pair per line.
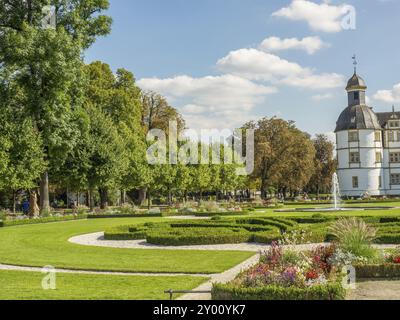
224, 62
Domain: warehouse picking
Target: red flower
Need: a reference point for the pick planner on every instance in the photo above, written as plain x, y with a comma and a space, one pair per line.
396, 260
312, 275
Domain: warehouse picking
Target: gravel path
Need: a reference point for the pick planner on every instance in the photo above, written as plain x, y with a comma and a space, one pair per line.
5, 267
97, 240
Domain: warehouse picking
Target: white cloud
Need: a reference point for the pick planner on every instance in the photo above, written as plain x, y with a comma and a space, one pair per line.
389, 96
320, 97
258, 65
320, 17
213, 101
309, 44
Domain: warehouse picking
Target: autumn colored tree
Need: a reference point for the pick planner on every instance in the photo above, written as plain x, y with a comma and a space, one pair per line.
324, 165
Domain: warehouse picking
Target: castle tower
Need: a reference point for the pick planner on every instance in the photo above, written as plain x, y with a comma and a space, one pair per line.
359, 145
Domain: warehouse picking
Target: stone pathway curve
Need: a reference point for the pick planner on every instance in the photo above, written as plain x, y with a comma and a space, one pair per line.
97, 240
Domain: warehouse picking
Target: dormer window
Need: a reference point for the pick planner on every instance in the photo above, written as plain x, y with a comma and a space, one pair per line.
394, 124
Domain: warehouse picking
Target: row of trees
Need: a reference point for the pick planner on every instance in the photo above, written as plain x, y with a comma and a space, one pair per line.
71, 126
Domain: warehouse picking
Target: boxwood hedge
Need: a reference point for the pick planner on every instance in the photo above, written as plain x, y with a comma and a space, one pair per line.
329, 291
10, 223
389, 270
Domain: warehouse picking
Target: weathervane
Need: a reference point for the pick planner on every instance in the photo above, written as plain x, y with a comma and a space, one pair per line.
355, 63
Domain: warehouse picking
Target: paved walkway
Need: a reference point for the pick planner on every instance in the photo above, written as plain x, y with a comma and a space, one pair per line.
376, 290
224, 277
97, 240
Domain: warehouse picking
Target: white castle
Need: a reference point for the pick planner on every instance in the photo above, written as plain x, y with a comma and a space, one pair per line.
368, 146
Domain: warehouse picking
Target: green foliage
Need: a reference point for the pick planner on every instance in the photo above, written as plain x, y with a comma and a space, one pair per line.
124, 215
222, 213
10, 223
330, 291
355, 236
201, 232
197, 236
387, 270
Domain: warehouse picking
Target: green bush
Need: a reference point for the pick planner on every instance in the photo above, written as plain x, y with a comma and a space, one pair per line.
117, 215
378, 271
10, 223
266, 237
389, 220
197, 236
281, 224
388, 238
330, 291
312, 220
227, 213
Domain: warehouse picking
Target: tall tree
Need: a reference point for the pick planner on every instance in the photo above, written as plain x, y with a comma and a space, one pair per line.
47, 65
324, 165
281, 150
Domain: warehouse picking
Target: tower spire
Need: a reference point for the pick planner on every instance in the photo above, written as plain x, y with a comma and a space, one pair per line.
355, 63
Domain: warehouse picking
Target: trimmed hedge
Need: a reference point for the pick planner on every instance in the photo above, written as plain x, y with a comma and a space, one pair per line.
388, 238
266, 237
138, 215
222, 214
389, 270
330, 291
10, 223
197, 233
198, 236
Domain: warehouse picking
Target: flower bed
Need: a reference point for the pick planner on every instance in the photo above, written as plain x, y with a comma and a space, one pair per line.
288, 275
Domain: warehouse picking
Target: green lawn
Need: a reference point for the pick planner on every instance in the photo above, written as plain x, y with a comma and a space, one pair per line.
47, 244
17, 285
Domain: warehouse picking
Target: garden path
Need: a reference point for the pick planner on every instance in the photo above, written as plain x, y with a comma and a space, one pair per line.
376, 290
97, 240
5, 267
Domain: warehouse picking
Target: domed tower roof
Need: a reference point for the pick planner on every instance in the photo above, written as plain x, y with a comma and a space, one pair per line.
356, 83
358, 117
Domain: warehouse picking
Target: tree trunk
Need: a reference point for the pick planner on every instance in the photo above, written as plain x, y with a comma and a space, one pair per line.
103, 198
88, 199
14, 202
149, 199
170, 198
142, 196
44, 193
33, 207
263, 189
123, 197
91, 200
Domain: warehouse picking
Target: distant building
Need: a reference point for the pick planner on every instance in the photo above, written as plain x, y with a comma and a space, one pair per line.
368, 146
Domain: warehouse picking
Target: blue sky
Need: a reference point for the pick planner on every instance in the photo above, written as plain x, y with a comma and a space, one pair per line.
208, 57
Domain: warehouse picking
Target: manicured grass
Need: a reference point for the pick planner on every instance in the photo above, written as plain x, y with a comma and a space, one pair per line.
17, 285
47, 244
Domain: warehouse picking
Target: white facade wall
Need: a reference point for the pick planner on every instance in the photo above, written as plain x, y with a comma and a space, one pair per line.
370, 173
